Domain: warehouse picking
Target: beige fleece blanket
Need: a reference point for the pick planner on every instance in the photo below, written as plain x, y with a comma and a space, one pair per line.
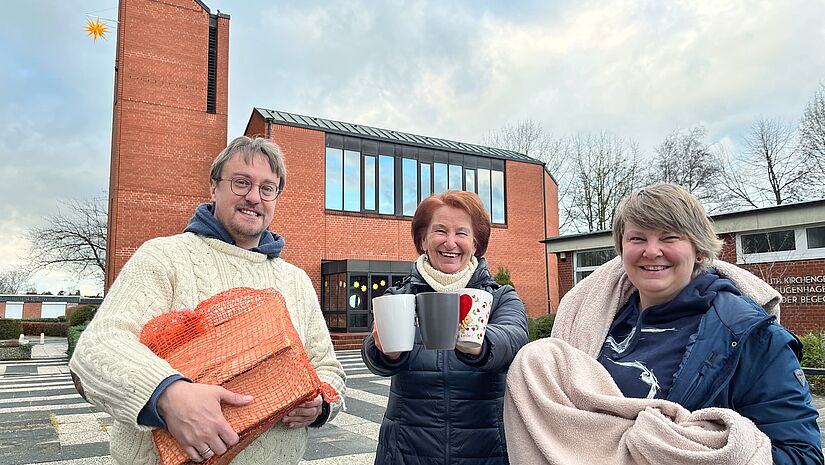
586, 311
562, 407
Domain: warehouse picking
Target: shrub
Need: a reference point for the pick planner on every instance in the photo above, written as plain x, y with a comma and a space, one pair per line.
18, 352
44, 320
9, 329
503, 277
34, 328
813, 356
72, 337
540, 327
82, 315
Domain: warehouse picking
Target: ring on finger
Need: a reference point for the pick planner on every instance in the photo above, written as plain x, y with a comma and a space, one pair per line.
206, 453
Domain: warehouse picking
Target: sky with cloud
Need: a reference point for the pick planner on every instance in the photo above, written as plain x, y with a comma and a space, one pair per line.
454, 70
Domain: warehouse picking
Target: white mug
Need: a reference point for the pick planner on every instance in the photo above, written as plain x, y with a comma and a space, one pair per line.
394, 316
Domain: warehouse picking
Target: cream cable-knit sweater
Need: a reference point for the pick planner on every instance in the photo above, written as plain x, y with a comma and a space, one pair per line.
119, 374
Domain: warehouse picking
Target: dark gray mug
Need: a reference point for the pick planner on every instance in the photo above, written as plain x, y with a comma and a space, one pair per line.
437, 314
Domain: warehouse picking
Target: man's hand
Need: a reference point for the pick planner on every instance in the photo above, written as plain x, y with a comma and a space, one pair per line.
392, 355
304, 414
193, 416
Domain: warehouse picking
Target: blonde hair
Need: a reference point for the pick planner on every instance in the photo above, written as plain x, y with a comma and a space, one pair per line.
669, 207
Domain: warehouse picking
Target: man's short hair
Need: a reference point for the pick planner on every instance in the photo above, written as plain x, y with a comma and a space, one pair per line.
248, 148
669, 207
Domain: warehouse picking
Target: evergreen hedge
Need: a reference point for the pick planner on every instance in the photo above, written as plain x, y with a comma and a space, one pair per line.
82, 315
34, 328
540, 327
9, 328
813, 356
72, 337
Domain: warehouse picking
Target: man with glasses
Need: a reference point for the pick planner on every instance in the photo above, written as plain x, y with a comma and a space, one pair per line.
226, 244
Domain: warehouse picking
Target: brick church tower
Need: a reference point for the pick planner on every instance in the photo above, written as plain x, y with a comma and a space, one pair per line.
170, 119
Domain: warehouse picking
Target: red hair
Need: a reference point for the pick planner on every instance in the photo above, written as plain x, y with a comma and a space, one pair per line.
463, 200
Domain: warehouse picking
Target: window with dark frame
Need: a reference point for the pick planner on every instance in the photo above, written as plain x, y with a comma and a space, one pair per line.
587, 261
815, 237
391, 179
369, 183
212, 66
773, 241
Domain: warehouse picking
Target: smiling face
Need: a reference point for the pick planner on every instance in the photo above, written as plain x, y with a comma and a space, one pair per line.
658, 263
449, 242
244, 217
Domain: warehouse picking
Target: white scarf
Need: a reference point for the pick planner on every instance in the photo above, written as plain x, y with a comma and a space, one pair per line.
444, 282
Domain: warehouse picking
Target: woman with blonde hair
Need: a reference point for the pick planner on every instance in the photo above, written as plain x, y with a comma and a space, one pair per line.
680, 356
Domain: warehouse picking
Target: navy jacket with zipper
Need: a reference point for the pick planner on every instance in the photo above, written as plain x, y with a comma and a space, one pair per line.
445, 407
744, 360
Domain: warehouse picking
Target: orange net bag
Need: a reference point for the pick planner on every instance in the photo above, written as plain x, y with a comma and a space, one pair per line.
242, 339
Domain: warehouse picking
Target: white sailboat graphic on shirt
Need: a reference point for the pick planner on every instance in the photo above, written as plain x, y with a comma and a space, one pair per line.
647, 376
621, 346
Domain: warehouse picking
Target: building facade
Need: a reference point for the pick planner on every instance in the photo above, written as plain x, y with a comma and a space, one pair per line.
784, 245
347, 220
351, 189
32, 306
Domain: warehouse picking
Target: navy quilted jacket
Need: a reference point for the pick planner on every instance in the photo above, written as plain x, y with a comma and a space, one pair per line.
744, 360
445, 407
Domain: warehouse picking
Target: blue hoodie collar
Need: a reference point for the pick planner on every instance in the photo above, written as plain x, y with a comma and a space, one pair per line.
695, 298
204, 223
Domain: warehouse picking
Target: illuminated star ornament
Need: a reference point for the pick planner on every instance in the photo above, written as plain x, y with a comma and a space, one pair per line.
96, 28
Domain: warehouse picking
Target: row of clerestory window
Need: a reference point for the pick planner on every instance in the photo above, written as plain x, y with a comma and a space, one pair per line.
392, 179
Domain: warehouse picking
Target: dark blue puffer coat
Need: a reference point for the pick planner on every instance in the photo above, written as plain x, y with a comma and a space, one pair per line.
742, 359
445, 406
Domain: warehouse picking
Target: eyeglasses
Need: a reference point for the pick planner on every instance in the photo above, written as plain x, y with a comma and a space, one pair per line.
242, 187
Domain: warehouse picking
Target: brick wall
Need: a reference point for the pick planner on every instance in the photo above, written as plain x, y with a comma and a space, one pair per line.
31, 310
163, 141
565, 273
517, 245
798, 312
551, 205
2, 309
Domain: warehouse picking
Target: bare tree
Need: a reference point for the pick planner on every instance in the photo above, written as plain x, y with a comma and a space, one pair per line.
15, 280
529, 138
73, 239
772, 169
605, 169
812, 135
684, 158
734, 183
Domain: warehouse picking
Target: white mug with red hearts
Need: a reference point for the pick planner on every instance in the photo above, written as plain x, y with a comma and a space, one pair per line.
474, 311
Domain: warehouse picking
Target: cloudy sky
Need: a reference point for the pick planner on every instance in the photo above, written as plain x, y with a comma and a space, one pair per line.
450, 69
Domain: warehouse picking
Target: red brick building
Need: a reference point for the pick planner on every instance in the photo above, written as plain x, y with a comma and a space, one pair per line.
351, 189
784, 245
28, 306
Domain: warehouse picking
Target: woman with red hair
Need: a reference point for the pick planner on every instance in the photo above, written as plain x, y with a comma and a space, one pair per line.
445, 406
